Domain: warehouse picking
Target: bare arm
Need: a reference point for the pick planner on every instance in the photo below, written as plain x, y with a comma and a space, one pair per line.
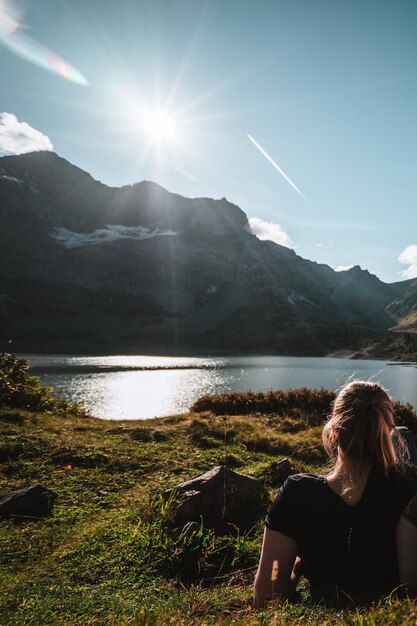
407, 554
277, 560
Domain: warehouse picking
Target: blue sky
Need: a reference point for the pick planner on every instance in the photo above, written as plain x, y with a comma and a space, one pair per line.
326, 87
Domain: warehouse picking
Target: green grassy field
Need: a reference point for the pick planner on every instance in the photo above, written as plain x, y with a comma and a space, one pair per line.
110, 552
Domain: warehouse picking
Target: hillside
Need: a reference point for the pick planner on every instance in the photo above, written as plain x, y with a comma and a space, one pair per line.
89, 268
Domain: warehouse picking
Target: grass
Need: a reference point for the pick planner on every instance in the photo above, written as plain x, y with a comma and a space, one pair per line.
111, 553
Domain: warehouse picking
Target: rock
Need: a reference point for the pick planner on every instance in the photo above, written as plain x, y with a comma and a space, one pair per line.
145, 435
225, 499
277, 472
34, 501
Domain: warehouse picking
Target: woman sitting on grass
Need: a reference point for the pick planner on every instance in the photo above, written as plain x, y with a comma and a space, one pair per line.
355, 530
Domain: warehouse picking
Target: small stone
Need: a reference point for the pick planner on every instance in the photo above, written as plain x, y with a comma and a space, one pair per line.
277, 472
34, 501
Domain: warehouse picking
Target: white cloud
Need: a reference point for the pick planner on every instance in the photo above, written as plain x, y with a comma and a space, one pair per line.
410, 272
18, 137
343, 268
270, 231
111, 232
409, 257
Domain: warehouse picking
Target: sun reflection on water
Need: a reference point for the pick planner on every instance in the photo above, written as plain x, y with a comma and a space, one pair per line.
137, 395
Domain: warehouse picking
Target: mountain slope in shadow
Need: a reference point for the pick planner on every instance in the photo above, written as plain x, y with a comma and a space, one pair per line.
87, 267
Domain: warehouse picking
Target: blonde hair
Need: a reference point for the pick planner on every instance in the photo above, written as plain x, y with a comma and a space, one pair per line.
360, 426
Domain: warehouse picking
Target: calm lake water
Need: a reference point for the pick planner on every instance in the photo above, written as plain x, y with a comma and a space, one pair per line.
138, 387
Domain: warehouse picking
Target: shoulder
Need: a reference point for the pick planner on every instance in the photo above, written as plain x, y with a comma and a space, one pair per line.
304, 480
395, 488
305, 477
301, 485
289, 507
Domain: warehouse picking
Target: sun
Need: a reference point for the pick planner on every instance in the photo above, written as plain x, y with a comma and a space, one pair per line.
159, 126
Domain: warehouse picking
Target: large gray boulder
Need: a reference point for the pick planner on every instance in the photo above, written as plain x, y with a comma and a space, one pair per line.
225, 500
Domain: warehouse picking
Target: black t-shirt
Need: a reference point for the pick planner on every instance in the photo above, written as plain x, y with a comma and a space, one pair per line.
345, 549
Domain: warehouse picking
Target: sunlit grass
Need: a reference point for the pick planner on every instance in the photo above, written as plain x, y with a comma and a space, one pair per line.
110, 554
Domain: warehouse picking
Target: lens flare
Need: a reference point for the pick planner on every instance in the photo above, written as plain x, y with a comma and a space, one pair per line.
31, 50
10, 18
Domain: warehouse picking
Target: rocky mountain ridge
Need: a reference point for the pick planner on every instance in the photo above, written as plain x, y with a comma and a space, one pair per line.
87, 267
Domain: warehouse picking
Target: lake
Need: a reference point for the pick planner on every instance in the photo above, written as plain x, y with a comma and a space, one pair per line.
140, 387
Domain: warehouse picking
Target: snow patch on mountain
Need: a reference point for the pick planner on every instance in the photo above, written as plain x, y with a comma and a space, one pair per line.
19, 182
11, 179
296, 298
111, 232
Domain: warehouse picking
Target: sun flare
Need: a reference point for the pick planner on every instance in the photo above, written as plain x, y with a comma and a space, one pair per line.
159, 126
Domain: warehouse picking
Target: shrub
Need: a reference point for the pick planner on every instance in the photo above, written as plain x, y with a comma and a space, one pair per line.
299, 408
312, 401
18, 389
406, 416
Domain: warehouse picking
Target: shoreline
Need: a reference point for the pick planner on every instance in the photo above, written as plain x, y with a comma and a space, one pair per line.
397, 347
352, 355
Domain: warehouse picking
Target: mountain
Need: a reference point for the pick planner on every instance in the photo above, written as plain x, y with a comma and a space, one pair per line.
87, 267
404, 308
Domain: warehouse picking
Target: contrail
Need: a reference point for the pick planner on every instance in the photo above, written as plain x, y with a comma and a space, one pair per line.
277, 167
